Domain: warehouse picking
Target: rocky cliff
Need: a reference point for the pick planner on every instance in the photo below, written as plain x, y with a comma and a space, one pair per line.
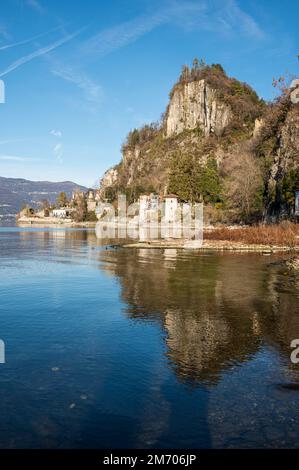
217, 142
278, 150
196, 105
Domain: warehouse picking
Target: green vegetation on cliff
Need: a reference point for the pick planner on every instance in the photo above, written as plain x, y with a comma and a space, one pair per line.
240, 97
192, 181
247, 172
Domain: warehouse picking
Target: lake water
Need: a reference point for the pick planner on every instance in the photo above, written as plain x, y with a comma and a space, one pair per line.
114, 347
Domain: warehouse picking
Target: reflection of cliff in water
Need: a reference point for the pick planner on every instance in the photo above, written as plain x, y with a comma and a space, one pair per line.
217, 310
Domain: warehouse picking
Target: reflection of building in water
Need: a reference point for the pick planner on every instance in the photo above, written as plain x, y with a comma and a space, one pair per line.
217, 310
171, 207
170, 253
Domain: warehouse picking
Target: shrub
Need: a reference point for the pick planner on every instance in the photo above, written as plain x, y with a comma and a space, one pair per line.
91, 217
140, 136
242, 99
284, 234
192, 181
289, 184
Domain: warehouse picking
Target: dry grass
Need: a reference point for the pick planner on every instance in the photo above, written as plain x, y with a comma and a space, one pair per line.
283, 234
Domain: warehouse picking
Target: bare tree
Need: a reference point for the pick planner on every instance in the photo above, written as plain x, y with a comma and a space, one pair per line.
244, 187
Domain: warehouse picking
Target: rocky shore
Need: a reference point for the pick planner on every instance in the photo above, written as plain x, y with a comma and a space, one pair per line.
52, 222
213, 245
293, 263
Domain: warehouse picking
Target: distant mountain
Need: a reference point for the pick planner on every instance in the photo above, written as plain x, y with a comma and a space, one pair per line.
16, 192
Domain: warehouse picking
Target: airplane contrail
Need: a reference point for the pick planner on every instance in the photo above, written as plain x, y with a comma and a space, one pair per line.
38, 53
26, 41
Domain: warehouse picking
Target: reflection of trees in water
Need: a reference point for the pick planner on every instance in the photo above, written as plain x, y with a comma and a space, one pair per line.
30, 243
217, 310
280, 316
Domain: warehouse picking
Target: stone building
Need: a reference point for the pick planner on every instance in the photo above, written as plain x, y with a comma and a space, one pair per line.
171, 207
148, 204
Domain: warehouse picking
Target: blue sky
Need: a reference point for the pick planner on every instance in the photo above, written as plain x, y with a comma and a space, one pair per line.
80, 74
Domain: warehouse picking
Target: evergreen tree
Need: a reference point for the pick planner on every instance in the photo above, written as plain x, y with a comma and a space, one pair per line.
62, 200
287, 187
181, 177
196, 63
80, 214
194, 182
185, 74
210, 182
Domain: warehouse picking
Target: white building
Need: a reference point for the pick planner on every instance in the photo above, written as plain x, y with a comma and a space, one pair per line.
104, 209
154, 202
171, 207
148, 205
143, 208
61, 213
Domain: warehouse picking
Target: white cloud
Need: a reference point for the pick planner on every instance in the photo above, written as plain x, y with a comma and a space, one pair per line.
108, 40
57, 147
92, 91
220, 16
239, 19
36, 5
58, 152
26, 41
15, 158
56, 133
120, 35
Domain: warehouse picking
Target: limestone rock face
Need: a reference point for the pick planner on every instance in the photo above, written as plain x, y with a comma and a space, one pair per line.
287, 155
109, 178
285, 158
289, 138
258, 125
132, 163
194, 105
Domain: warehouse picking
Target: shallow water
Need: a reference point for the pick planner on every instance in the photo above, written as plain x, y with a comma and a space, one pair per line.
111, 347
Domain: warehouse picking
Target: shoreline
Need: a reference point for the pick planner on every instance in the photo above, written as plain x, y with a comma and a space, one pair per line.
51, 222
209, 244
214, 245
